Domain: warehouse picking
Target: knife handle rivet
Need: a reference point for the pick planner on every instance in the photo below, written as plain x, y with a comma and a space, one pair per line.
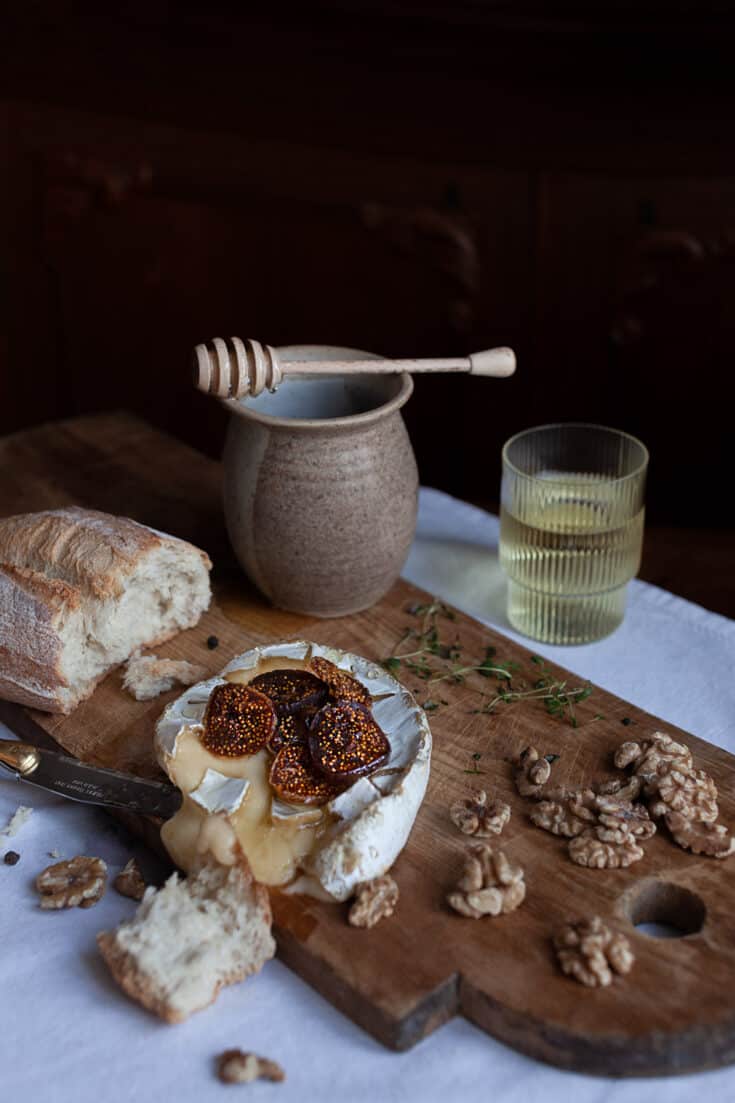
20, 757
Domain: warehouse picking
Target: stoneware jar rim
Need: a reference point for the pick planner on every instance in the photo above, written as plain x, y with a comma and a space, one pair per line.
336, 352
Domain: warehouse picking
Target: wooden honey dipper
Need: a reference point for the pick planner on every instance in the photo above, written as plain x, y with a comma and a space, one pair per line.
235, 368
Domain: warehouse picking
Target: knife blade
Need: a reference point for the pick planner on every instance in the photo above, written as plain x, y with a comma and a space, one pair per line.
89, 784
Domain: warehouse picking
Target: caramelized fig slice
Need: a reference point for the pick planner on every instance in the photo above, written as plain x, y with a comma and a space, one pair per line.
238, 721
291, 690
345, 742
293, 777
342, 686
293, 728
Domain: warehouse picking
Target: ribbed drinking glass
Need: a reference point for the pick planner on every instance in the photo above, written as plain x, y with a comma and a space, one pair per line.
571, 529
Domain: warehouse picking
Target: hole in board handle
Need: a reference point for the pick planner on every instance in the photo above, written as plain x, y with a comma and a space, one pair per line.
665, 910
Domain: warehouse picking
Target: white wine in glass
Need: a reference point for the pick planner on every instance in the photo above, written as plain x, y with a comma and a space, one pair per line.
571, 529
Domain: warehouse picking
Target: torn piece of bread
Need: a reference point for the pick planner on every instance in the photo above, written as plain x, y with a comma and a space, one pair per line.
80, 592
147, 676
191, 938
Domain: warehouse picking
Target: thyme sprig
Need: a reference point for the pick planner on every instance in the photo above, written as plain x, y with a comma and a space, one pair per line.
434, 661
559, 701
487, 668
428, 644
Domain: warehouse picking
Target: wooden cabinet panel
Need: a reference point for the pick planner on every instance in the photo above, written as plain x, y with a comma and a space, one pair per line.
153, 239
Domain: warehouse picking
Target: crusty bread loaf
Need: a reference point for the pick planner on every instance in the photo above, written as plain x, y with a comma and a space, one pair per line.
191, 938
80, 591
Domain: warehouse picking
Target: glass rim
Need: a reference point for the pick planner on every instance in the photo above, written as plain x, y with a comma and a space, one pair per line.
639, 470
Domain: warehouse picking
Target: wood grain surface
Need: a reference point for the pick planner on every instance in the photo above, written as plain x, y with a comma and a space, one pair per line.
675, 1012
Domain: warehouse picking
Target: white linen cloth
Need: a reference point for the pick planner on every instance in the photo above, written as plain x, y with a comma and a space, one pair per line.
69, 1034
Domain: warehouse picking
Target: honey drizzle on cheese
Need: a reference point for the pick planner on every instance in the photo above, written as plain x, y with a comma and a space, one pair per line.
274, 845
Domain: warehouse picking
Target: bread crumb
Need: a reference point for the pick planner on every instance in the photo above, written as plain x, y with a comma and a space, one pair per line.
11, 858
147, 676
20, 817
236, 1067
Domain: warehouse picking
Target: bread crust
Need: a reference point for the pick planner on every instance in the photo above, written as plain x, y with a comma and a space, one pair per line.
30, 646
91, 551
132, 981
51, 563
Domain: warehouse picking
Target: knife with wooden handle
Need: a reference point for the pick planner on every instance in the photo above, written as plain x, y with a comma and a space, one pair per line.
89, 784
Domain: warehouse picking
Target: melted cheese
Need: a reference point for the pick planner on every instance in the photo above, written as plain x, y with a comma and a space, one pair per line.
275, 843
242, 677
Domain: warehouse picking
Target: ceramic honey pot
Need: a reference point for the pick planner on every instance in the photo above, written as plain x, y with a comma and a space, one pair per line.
320, 486
320, 478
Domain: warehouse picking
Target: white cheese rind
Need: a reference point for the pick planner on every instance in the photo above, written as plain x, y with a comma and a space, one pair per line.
218, 793
367, 846
375, 815
354, 800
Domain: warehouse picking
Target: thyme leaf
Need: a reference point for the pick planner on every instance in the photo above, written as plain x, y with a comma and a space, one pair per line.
475, 764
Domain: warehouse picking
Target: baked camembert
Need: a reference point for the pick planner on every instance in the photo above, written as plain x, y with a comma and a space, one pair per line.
313, 759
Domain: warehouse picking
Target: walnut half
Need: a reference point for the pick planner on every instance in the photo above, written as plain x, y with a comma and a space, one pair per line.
568, 817
490, 885
236, 1067
77, 883
588, 950
700, 837
594, 853
689, 791
621, 819
653, 757
474, 816
374, 900
531, 773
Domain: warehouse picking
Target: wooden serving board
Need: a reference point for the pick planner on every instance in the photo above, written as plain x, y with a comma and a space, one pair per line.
675, 1012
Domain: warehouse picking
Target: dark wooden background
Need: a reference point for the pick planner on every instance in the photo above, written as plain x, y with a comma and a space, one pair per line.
411, 178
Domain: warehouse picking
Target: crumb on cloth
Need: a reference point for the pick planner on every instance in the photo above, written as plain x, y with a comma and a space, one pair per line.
20, 817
